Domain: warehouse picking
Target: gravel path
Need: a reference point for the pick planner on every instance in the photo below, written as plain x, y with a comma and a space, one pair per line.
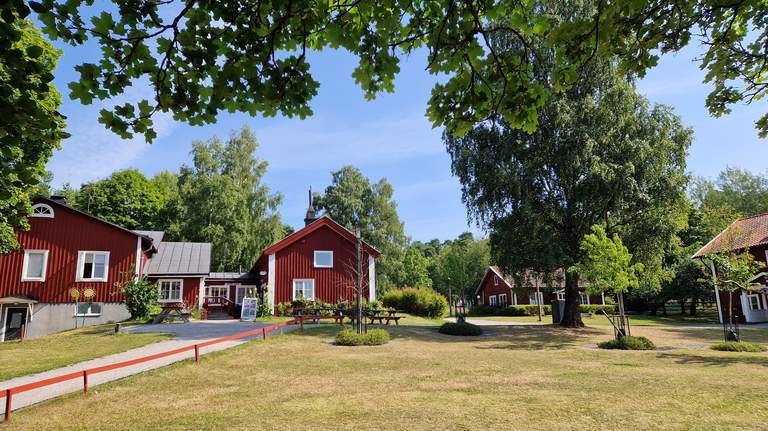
184, 335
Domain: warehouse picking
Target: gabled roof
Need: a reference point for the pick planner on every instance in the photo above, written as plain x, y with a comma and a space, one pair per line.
320, 223
155, 235
531, 279
235, 276
181, 258
743, 233
146, 240
495, 270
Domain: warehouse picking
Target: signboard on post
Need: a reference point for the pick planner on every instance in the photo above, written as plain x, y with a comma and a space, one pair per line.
248, 310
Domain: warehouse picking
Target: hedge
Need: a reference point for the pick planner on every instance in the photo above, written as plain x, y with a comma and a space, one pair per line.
350, 337
532, 310
628, 343
421, 302
738, 346
460, 328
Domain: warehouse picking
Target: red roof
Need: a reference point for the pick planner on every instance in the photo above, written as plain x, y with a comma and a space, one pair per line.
743, 233
323, 221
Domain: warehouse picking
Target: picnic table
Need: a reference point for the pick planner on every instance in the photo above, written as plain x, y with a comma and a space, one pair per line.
380, 315
171, 312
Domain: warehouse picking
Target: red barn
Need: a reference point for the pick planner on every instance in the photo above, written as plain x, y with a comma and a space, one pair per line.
66, 251
317, 263
499, 290
745, 234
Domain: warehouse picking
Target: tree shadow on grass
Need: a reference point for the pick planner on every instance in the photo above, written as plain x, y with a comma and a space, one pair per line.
734, 358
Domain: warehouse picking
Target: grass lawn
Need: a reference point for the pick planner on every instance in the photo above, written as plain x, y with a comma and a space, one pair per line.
519, 377
67, 348
600, 320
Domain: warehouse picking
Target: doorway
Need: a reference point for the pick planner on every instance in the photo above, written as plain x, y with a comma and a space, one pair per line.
15, 319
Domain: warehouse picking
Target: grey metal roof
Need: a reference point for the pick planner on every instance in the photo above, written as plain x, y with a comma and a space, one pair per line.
181, 258
155, 235
232, 276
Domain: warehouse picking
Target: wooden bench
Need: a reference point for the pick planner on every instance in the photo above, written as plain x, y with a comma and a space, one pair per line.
388, 319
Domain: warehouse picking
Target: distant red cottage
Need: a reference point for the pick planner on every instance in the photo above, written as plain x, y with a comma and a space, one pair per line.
498, 290
317, 263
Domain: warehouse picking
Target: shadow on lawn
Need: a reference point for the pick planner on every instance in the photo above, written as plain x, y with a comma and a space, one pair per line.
716, 361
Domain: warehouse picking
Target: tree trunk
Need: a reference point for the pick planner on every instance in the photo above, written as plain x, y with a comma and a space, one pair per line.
539, 300
682, 306
694, 304
571, 314
359, 282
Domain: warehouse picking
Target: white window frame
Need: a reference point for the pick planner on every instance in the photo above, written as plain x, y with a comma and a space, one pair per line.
492, 300
224, 286
43, 206
756, 296
81, 264
238, 300
583, 298
303, 280
503, 303
322, 266
25, 265
535, 301
495, 280
561, 295
170, 280
89, 313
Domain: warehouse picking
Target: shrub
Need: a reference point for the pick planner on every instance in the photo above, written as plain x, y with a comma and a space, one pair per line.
462, 329
140, 297
596, 308
738, 346
350, 337
512, 310
628, 343
421, 302
284, 309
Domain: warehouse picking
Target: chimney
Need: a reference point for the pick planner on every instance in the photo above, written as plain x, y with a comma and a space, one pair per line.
311, 216
59, 199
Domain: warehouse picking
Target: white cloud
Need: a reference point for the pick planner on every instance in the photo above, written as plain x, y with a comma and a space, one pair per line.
317, 143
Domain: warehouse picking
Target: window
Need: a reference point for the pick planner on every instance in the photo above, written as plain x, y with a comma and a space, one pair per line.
170, 291
532, 298
495, 280
92, 266
583, 298
492, 300
304, 289
217, 291
88, 309
561, 295
755, 303
503, 300
35, 263
245, 292
323, 259
42, 210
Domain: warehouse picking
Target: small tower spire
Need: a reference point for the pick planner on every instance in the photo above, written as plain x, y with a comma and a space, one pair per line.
311, 215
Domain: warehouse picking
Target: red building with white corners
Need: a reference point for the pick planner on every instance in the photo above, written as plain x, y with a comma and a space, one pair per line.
500, 290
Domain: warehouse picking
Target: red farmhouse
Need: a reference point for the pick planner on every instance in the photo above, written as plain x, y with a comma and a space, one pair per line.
499, 290
317, 263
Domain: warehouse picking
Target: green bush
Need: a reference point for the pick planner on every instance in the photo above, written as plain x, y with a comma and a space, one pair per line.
421, 302
738, 346
463, 329
596, 308
628, 343
140, 297
350, 337
284, 309
511, 310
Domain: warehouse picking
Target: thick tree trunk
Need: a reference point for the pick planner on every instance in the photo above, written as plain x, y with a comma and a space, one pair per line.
571, 314
682, 306
694, 304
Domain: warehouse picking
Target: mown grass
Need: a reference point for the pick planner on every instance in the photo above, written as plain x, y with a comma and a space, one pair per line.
600, 320
522, 377
66, 348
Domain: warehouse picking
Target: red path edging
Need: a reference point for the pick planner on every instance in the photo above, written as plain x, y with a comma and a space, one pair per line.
10, 392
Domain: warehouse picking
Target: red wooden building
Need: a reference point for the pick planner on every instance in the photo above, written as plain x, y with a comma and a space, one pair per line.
745, 234
317, 263
500, 290
66, 251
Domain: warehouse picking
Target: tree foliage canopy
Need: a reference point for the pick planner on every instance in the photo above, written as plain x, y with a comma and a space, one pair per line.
30, 126
607, 264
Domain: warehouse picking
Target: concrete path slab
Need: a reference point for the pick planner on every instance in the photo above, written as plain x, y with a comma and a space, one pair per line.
185, 334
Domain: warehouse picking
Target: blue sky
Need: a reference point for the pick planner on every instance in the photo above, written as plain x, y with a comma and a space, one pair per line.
387, 137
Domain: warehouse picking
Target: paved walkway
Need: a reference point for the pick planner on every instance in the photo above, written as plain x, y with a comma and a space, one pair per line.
184, 335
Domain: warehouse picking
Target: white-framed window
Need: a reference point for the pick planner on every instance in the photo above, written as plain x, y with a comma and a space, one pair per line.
323, 259
92, 265
304, 288
42, 210
583, 298
88, 309
532, 298
502, 300
492, 300
170, 290
495, 280
754, 302
245, 292
561, 295
217, 291
35, 264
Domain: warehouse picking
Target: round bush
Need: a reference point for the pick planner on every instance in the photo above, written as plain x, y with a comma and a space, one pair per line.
421, 302
628, 343
738, 346
350, 337
462, 329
